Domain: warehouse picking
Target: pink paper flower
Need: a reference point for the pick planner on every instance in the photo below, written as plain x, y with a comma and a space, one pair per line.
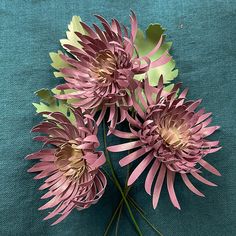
102, 70
170, 137
71, 164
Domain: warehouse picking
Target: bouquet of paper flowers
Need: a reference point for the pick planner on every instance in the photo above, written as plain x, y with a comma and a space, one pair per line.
112, 76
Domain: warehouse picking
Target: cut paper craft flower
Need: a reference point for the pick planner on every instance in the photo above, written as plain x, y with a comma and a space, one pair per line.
126, 74
170, 136
101, 72
71, 165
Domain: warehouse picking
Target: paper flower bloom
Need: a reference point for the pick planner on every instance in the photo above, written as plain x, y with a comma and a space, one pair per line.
103, 66
170, 136
71, 164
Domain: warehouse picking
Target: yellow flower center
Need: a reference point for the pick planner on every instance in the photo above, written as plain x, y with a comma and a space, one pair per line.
174, 138
69, 160
103, 66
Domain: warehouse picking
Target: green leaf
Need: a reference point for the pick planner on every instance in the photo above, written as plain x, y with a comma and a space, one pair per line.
58, 63
145, 43
48, 103
72, 38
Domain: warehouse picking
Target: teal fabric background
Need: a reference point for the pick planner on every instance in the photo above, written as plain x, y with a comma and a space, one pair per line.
204, 37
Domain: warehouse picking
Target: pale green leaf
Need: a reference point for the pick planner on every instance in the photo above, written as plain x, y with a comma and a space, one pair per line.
48, 103
58, 74
145, 43
72, 38
57, 62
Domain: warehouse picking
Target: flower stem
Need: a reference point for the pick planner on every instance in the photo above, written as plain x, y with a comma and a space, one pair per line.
118, 218
113, 217
116, 211
135, 205
117, 182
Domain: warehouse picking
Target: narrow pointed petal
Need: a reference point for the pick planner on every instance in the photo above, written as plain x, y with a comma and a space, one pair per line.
125, 146
151, 175
191, 186
170, 187
209, 167
202, 179
158, 185
133, 156
140, 168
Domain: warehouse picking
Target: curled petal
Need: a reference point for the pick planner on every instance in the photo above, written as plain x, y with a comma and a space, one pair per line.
71, 167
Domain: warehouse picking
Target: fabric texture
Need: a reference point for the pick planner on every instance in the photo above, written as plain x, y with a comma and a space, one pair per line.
203, 35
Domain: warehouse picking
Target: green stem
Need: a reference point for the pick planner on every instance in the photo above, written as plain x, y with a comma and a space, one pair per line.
108, 175
136, 204
144, 217
118, 218
117, 182
116, 211
113, 217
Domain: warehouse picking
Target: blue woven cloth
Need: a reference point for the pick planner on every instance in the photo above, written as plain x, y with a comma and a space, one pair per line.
204, 37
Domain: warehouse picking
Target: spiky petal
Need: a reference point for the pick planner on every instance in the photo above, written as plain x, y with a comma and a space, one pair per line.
102, 69
169, 135
71, 165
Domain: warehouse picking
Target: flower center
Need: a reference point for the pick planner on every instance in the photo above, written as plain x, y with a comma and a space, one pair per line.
69, 160
104, 65
174, 138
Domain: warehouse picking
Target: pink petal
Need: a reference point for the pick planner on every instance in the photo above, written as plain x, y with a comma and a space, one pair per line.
194, 105
54, 176
150, 177
40, 154
211, 143
122, 134
56, 211
125, 146
191, 186
40, 166
165, 58
209, 167
88, 30
201, 179
154, 50
211, 150
203, 117
137, 107
45, 173
133, 156
140, 168
91, 138
101, 115
184, 93
99, 162
53, 202
170, 187
158, 185
70, 207
209, 130
134, 25
112, 112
